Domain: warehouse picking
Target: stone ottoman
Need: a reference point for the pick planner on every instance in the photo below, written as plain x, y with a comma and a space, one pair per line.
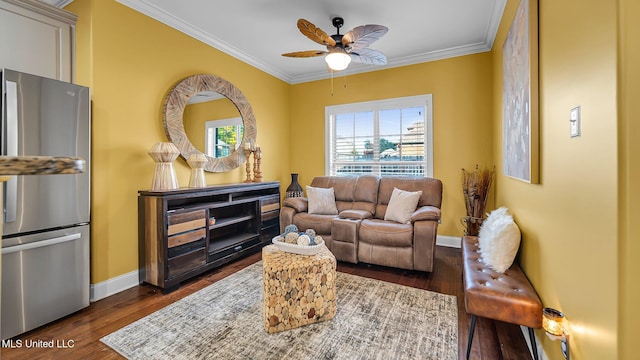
298, 289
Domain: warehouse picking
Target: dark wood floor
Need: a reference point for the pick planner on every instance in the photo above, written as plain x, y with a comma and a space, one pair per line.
81, 332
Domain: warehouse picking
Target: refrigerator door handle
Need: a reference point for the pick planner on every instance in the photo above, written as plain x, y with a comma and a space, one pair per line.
38, 244
11, 141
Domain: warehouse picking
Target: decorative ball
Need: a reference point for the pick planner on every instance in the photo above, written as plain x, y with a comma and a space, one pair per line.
291, 228
279, 238
311, 233
319, 240
303, 240
291, 238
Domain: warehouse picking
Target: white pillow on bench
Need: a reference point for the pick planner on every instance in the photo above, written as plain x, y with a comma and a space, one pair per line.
499, 240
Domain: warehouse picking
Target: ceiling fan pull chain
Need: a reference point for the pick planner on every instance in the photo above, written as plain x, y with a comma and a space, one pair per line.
331, 71
344, 76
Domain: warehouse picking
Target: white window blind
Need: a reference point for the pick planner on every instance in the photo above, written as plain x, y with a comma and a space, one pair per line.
391, 137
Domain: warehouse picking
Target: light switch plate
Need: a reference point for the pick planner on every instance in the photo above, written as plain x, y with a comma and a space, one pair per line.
574, 121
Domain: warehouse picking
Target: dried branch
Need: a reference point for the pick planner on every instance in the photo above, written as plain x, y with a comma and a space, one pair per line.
475, 188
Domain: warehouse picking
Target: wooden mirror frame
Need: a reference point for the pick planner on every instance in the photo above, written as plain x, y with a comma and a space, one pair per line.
173, 123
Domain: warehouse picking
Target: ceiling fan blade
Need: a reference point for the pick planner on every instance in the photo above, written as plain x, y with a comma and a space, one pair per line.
362, 36
368, 56
307, 53
314, 33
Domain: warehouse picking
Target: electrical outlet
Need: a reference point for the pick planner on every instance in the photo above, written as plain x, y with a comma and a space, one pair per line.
574, 121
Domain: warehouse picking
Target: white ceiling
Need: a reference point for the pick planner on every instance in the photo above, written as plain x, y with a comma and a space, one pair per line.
259, 31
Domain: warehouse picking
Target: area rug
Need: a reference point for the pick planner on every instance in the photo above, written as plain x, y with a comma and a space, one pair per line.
374, 320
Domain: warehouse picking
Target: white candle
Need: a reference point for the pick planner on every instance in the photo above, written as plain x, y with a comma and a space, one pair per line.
247, 146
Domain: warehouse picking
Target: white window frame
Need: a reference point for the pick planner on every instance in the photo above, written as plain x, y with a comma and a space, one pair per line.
376, 106
211, 125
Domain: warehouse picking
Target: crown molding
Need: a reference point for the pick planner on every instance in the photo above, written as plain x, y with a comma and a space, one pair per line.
405, 61
147, 8
486, 45
47, 9
494, 23
60, 3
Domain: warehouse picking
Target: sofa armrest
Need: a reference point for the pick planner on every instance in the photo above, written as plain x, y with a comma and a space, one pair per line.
355, 214
300, 204
426, 213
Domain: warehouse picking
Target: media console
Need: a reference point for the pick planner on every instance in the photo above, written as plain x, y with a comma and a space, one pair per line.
185, 232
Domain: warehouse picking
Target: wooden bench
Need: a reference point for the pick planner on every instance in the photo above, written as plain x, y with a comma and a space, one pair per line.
507, 297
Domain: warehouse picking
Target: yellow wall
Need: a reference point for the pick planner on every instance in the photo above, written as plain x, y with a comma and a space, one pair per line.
569, 221
133, 63
629, 176
578, 247
462, 93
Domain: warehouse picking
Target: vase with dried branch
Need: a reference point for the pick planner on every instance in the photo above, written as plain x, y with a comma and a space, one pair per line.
475, 187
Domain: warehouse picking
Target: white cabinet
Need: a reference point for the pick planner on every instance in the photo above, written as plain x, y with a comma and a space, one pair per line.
37, 38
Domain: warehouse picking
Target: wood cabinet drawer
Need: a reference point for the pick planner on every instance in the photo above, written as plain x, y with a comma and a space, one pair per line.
186, 221
270, 203
268, 233
184, 263
266, 216
187, 237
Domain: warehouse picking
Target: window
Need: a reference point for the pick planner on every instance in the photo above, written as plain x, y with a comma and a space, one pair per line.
223, 136
384, 138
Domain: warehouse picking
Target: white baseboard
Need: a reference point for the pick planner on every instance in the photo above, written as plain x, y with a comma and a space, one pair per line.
449, 241
541, 354
113, 286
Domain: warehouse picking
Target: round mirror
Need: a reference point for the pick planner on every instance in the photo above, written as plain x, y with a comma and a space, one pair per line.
174, 121
213, 124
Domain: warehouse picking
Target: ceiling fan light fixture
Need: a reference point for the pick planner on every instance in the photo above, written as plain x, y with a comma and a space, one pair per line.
338, 54
338, 60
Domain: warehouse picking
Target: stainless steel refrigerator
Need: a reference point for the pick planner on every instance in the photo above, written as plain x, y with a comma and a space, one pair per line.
45, 241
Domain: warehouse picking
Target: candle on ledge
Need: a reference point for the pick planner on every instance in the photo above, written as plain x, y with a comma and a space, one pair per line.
247, 145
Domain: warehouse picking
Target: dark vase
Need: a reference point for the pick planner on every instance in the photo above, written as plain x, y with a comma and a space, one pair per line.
294, 190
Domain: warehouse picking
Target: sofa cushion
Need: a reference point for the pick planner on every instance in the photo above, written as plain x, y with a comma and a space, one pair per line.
321, 201
426, 213
352, 193
431, 191
298, 203
386, 233
320, 223
401, 205
498, 240
355, 214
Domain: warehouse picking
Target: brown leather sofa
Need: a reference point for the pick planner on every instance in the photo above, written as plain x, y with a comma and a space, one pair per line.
359, 232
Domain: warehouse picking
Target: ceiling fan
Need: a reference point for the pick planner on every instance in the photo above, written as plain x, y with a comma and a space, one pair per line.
341, 49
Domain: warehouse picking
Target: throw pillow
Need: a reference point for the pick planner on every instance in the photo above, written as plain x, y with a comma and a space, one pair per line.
499, 240
322, 201
401, 205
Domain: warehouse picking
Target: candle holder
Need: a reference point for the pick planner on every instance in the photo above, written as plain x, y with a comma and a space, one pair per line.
555, 324
164, 178
257, 160
197, 161
247, 155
